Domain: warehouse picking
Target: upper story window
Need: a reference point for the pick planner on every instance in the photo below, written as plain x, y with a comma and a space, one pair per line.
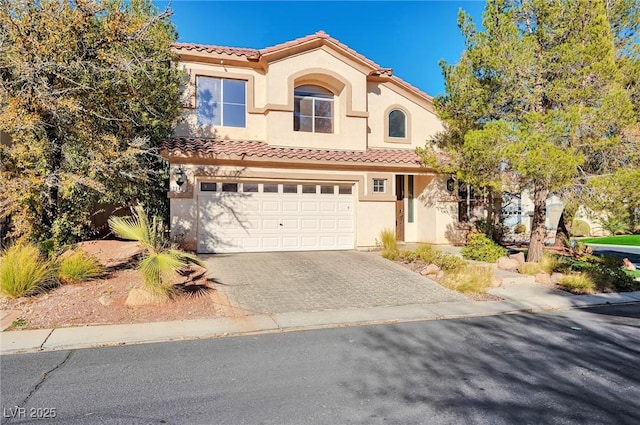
397, 124
313, 109
221, 102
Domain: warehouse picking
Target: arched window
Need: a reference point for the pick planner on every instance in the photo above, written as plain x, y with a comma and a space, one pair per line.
397, 124
313, 109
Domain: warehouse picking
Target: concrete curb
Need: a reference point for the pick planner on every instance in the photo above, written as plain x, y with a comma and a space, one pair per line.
31, 341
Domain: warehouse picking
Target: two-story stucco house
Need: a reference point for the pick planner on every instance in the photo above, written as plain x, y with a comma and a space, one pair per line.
306, 145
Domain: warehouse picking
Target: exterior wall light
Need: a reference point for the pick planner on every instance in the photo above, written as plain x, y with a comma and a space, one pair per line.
180, 176
451, 182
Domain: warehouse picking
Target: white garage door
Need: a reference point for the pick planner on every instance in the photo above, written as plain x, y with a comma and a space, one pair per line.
253, 217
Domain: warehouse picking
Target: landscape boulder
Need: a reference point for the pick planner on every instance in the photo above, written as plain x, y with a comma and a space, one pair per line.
519, 257
431, 269
544, 278
506, 263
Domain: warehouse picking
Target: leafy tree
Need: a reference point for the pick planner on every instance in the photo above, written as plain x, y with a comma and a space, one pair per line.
87, 91
538, 98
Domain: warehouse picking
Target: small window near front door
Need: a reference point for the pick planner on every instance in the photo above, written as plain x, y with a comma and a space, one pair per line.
379, 185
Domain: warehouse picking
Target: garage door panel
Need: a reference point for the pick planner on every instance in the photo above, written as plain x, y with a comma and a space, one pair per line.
289, 224
275, 221
290, 206
270, 224
309, 224
309, 206
270, 206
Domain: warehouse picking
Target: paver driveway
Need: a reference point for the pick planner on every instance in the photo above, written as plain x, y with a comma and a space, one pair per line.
280, 282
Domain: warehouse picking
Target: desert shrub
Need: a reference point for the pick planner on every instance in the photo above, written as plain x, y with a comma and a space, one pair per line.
23, 271
408, 256
550, 263
427, 253
480, 248
161, 260
530, 268
519, 228
448, 262
78, 266
388, 240
605, 272
391, 254
580, 228
577, 283
469, 279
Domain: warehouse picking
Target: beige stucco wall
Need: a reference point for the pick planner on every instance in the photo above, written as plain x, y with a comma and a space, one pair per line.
360, 107
422, 124
437, 210
371, 219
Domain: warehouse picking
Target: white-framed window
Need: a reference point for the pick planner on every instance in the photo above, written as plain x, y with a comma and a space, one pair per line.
221, 102
379, 185
397, 124
313, 109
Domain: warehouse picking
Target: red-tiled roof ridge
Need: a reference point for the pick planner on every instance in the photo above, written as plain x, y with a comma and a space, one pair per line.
319, 35
258, 149
238, 51
256, 53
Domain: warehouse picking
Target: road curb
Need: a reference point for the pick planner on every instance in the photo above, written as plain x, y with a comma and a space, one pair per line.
39, 340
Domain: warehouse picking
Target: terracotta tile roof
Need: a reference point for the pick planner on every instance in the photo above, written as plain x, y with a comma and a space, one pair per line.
246, 149
250, 53
319, 35
255, 54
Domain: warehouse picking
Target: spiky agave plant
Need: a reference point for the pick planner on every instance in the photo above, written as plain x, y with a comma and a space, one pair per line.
160, 261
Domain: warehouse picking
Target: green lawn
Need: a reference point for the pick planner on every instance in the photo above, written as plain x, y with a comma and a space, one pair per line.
631, 240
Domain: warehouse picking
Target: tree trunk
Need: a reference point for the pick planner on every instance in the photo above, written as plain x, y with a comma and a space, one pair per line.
494, 214
536, 243
562, 234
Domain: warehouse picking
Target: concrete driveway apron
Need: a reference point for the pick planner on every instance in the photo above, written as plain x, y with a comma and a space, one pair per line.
280, 282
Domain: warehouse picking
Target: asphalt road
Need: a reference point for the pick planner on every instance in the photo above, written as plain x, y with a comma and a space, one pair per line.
569, 367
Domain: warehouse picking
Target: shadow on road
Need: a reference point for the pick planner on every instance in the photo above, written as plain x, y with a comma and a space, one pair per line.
577, 367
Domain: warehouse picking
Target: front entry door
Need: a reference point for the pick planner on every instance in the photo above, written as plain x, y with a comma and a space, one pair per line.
400, 208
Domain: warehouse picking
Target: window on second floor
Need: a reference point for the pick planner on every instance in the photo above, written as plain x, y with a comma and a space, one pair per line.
397, 124
313, 109
221, 102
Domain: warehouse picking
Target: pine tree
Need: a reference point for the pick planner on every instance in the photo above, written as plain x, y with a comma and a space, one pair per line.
539, 94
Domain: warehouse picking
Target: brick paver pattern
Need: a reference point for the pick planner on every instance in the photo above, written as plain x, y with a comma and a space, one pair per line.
283, 282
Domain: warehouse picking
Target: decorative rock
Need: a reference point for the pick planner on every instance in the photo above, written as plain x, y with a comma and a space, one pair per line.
506, 263
430, 269
555, 278
440, 275
628, 265
544, 278
139, 296
519, 257
496, 282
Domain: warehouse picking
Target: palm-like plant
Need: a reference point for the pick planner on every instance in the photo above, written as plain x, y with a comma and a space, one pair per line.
161, 261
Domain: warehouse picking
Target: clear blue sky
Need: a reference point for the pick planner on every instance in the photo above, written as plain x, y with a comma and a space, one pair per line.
409, 36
